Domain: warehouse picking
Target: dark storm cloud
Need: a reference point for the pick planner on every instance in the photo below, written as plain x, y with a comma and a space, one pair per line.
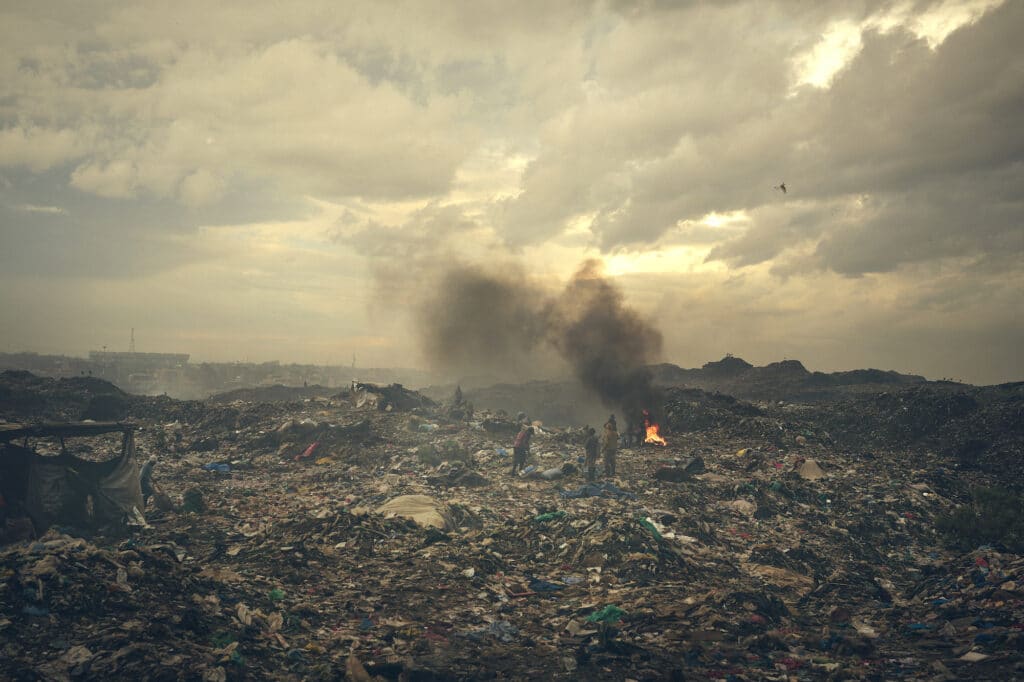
948, 222
775, 229
931, 135
934, 141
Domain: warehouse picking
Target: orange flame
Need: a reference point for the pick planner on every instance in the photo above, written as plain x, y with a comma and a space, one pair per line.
653, 436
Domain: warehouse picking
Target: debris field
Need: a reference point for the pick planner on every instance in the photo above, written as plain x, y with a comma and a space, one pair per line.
346, 538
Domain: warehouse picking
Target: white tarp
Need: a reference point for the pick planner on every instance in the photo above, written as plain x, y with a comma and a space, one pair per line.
422, 509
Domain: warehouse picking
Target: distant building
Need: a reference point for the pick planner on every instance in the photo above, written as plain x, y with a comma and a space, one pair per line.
139, 372
140, 361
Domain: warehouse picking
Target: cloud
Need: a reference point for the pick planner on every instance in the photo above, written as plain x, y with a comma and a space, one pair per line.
38, 148
291, 111
116, 179
46, 210
201, 188
928, 319
926, 175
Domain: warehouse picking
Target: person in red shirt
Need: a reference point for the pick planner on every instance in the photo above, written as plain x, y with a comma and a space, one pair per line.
521, 448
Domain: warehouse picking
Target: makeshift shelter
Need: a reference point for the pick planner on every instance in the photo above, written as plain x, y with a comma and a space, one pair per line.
66, 488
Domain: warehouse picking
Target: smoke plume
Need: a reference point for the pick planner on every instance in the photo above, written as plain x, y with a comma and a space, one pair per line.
607, 343
477, 321
479, 318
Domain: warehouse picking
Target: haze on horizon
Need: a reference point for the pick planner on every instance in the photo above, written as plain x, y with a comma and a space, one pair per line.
277, 182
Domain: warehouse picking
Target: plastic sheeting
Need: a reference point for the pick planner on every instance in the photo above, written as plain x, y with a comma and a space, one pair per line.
422, 509
58, 488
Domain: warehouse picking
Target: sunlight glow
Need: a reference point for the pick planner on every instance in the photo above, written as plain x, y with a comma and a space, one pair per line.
715, 219
675, 259
841, 41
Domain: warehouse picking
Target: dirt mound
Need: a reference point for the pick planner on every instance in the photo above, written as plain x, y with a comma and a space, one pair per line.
27, 397
979, 428
691, 409
786, 380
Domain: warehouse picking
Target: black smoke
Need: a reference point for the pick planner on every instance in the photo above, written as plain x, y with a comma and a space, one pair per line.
479, 321
482, 318
607, 343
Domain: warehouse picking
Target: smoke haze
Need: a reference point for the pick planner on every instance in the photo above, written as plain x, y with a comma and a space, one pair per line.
481, 322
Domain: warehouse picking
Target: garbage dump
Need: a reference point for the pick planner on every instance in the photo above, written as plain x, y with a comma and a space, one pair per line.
763, 543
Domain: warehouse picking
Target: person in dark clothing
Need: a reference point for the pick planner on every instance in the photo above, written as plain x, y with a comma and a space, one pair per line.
521, 448
591, 446
146, 480
640, 434
610, 446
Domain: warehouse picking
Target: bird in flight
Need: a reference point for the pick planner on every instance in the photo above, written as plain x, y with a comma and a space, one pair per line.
781, 186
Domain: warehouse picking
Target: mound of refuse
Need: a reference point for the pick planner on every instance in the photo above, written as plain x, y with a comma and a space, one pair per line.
27, 397
335, 538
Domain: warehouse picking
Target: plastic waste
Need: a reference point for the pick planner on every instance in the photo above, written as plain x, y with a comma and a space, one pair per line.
646, 523
538, 585
308, 452
549, 516
502, 630
604, 489
810, 470
218, 467
552, 474
192, 501
681, 471
609, 614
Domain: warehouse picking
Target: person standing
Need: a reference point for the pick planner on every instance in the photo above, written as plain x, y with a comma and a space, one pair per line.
591, 445
146, 480
521, 448
609, 446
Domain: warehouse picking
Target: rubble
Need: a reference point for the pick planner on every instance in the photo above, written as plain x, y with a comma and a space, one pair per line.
737, 551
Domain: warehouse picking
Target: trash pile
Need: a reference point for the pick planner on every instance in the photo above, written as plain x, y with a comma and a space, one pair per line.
332, 536
979, 428
22, 394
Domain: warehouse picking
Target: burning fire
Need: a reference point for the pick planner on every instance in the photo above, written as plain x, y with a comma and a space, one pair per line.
652, 431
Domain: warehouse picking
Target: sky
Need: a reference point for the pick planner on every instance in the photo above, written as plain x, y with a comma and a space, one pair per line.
276, 181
